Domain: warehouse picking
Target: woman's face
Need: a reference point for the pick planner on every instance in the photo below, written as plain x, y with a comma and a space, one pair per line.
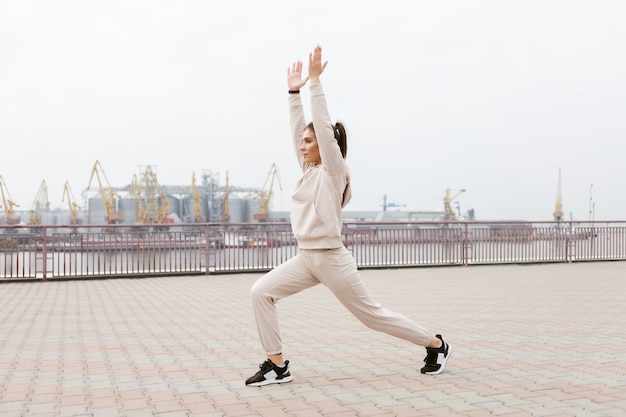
310, 150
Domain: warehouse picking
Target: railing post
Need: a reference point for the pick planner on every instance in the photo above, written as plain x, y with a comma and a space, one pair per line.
465, 245
207, 248
44, 253
569, 243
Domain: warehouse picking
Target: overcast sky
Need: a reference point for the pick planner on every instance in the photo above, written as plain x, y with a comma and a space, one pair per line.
488, 96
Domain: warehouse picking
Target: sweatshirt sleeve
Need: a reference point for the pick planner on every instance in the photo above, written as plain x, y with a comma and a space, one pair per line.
329, 150
297, 124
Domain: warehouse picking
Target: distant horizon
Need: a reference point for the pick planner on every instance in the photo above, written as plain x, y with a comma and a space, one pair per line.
94, 193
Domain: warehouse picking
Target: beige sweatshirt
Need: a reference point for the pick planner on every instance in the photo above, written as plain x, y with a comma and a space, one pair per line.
324, 189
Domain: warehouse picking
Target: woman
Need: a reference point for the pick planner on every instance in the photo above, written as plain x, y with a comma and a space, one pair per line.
316, 220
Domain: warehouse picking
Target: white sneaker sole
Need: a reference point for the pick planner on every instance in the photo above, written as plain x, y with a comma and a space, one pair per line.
271, 381
443, 364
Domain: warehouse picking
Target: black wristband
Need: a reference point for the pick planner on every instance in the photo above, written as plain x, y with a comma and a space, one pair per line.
294, 91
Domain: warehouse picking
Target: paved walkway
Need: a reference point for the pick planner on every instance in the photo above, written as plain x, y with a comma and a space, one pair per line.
535, 340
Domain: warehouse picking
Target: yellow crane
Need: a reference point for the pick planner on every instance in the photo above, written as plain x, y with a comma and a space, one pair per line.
7, 203
225, 214
108, 195
158, 205
136, 190
40, 205
448, 211
164, 214
197, 201
266, 194
149, 193
71, 202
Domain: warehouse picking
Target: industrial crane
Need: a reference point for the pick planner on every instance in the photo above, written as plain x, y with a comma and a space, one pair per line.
149, 198
158, 206
71, 202
265, 195
449, 213
40, 205
108, 195
225, 215
136, 190
7, 203
390, 204
164, 214
197, 201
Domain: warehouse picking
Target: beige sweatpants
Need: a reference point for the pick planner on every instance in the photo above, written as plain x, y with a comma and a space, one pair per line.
335, 268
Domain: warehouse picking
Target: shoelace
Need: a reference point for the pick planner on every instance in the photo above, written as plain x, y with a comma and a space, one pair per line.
431, 356
265, 366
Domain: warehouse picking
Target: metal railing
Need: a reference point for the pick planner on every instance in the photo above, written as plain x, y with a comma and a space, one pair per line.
66, 251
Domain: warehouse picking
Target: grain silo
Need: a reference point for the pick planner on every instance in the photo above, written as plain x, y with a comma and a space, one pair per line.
175, 206
96, 213
50, 218
126, 206
237, 210
187, 210
253, 207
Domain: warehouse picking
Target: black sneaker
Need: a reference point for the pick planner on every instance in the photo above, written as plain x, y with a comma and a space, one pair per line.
436, 358
270, 374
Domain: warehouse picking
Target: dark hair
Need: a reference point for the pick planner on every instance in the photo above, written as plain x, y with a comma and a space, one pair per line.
339, 131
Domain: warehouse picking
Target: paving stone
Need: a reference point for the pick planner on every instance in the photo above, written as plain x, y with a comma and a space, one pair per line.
167, 347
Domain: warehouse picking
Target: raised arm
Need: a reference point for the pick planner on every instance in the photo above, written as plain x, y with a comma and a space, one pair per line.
295, 81
330, 153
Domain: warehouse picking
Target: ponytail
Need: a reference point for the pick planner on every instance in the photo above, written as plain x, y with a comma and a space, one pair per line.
339, 131
342, 138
